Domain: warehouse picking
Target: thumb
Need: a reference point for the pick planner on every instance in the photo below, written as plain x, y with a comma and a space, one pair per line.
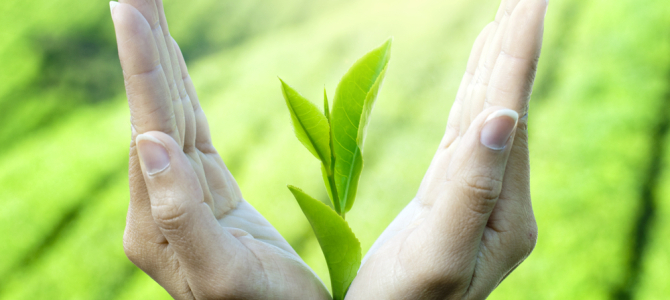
473, 182
178, 206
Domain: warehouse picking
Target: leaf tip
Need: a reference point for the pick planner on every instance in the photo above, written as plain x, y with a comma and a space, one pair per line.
283, 84
294, 189
387, 46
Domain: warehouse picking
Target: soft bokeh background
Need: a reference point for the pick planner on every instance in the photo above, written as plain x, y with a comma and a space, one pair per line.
598, 125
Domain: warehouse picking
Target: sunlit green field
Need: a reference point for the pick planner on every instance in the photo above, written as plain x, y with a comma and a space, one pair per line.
598, 126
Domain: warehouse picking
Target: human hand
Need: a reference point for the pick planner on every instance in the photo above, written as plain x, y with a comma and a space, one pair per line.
471, 222
188, 226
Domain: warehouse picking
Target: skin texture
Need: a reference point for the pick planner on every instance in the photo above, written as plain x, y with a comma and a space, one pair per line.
188, 225
469, 226
471, 222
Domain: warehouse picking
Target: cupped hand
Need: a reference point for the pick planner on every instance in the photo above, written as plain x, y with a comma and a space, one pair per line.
188, 226
471, 222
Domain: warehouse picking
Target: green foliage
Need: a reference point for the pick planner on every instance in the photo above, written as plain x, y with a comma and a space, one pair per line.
340, 247
337, 142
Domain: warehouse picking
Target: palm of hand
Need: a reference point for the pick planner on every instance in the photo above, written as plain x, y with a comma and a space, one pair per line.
468, 227
188, 226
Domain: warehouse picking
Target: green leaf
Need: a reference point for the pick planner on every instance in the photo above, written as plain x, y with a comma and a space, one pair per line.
340, 246
354, 100
311, 127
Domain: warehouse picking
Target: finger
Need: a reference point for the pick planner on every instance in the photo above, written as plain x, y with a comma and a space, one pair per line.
146, 85
150, 110
148, 9
475, 82
183, 106
223, 189
191, 127
181, 114
453, 122
514, 72
455, 114
476, 92
512, 230
178, 207
513, 219
487, 63
473, 184
506, 8
514, 212
203, 139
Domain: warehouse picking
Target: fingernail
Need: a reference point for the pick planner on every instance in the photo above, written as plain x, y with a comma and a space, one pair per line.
153, 154
498, 127
112, 5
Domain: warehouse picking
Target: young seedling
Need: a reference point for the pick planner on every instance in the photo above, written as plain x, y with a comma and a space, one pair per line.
337, 141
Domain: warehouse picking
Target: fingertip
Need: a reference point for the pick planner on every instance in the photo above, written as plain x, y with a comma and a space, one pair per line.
112, 5
121, 11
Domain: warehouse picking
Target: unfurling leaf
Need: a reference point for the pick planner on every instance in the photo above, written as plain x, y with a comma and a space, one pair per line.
354, 100
340, 247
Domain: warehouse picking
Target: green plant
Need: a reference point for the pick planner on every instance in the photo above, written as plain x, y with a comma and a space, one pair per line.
337, 141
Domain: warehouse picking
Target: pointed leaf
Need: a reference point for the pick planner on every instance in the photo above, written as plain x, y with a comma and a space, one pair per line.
354, 100
340, 246
311, 127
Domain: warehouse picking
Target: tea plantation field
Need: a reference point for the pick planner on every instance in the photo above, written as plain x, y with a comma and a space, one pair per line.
599, 121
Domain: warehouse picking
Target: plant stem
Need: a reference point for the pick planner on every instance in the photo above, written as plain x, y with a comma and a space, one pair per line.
333, 190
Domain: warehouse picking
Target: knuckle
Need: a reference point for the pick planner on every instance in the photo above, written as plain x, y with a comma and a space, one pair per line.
482, 187
169, 216
481, 191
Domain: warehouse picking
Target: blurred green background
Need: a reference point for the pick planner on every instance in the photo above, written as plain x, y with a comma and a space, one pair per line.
598, 127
